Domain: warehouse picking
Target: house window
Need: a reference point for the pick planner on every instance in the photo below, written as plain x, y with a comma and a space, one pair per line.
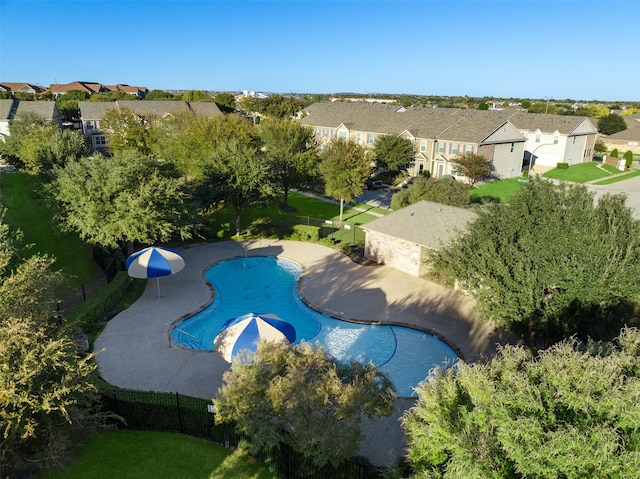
423, 145
359, 137
343, 135
334, 134
91, 125
556, 139
468, 148
371, 138
318, 132
100, 141
455, 148
442, 147
325, 132
537, 137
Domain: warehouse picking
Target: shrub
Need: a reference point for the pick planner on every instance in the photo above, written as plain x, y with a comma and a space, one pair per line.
305, 233
614, 153
562, 166
628, 156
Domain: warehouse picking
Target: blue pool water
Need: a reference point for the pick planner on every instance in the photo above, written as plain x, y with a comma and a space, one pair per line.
266, 284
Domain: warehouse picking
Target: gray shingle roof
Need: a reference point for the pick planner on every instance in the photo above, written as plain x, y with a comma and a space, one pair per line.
45, 109
95, 110
425, 223
452, 124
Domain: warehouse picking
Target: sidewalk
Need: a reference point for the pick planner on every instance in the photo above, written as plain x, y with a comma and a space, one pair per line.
135, 350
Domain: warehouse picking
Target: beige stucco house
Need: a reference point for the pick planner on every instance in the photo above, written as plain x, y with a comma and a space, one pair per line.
626, 140
406, 238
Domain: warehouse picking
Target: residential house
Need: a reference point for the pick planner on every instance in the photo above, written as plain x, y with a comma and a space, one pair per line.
406, 238
505, 137
553, 139
17, 87
625, 140
10, 109
59, 89
92, 114
439, 135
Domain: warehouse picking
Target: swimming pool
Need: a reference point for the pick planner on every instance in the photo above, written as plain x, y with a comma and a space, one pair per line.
267, 284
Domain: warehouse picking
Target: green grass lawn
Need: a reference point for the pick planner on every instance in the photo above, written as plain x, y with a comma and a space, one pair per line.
306, 207
616, 179
27, 213
582, 172
496, 190
152, 455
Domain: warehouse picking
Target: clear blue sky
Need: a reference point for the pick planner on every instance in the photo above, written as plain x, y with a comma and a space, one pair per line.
578, 49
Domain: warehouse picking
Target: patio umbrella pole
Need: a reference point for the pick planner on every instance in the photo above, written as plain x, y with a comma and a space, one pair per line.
158, 285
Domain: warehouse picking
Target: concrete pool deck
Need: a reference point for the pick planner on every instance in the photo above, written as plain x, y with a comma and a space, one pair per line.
134, 350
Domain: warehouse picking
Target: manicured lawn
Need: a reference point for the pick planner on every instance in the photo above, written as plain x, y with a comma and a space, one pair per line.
609, 181
27, 213
307, 207
496, 190
582, 172
152, 455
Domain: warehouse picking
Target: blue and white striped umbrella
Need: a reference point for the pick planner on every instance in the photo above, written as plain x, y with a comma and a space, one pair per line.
154, 262
244, 333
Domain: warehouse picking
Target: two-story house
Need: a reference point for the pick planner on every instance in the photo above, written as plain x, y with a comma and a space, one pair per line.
439, 135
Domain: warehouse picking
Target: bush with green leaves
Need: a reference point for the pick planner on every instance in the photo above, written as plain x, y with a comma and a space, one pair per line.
628, 158
614, 153
299, 396
562, 166
439, 190
569, 411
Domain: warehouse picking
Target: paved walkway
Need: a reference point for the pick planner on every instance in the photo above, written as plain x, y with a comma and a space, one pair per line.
135, 351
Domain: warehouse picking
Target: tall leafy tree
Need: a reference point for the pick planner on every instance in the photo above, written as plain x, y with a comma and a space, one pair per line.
475, 167
439, 190
41, 145
610, 124
46, 387
241, 176
550, 263
128, 130
345, 166
297, 395
116, 201
570, 411
393, 152
291, 150
225, 100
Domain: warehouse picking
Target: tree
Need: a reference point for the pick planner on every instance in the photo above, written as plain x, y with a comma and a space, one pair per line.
610, 124
345, 166
570, 411
68, 103
550, 264
628, 157
439, 190
393, 152
46, 389
225, 100
298, 396
196, 95
116, 201
600, 147
160, 95
475, 167
615, 153
129, 130
41, 145
290, 148
241, 175
275, 106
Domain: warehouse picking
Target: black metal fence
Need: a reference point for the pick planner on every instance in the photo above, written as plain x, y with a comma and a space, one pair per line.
109, 266
173, 412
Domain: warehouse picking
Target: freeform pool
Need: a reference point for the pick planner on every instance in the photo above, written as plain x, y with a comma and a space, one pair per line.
266, 284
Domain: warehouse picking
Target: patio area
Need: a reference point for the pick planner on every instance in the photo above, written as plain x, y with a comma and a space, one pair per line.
134, 351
